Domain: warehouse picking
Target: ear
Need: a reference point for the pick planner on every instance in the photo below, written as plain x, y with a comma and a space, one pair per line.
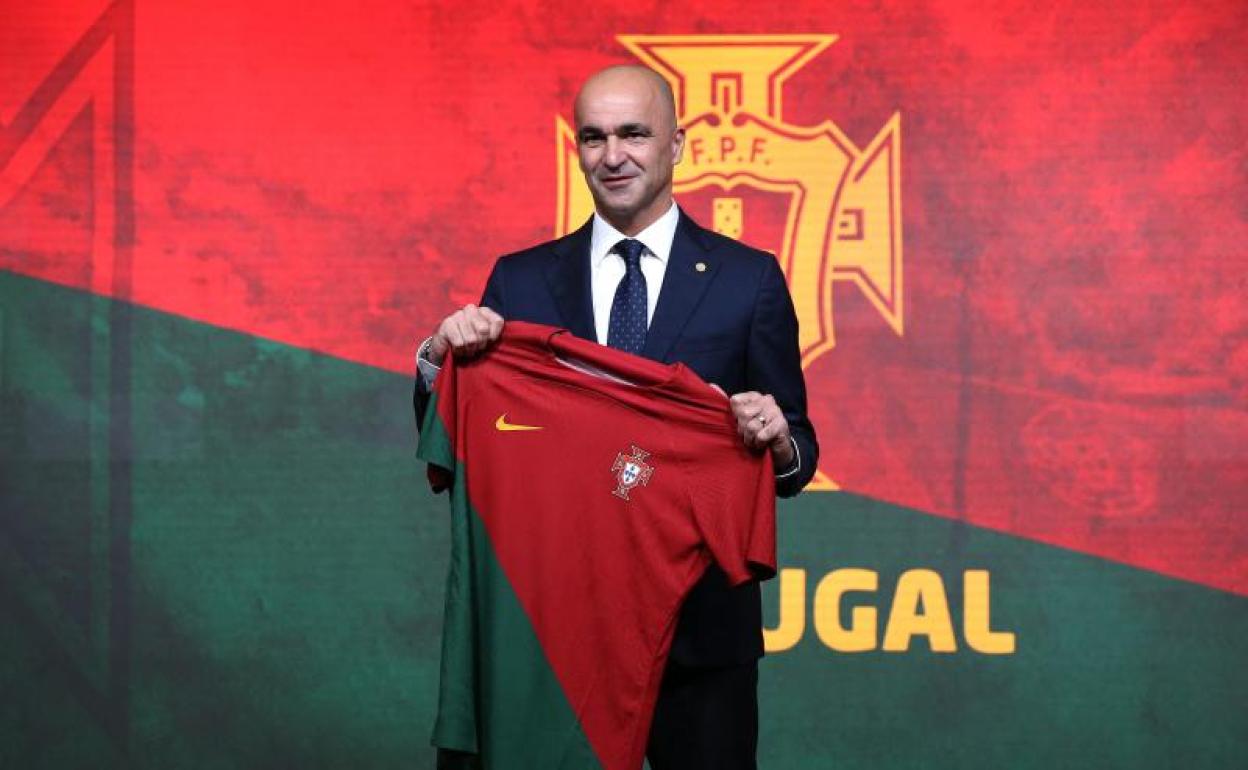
678, 145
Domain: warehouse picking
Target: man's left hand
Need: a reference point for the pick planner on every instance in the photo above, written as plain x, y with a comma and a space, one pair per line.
761, 424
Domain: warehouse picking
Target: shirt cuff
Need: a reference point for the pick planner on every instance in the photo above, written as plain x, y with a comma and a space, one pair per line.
426, 369
794, 466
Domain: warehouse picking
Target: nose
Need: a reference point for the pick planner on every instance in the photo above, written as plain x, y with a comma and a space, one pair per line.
614, 155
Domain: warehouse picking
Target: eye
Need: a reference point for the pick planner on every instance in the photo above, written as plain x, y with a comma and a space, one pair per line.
591, 139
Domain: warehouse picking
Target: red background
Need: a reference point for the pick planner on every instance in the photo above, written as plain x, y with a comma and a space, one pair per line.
340, 175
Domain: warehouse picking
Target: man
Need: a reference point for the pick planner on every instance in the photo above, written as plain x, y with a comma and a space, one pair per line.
643, 277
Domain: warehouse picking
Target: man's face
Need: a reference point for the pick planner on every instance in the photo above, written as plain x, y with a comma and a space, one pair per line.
627, 145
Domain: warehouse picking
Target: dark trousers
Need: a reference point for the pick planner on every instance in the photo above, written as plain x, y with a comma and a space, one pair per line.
706, 719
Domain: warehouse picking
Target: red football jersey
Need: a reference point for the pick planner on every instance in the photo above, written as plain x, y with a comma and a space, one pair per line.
591, 489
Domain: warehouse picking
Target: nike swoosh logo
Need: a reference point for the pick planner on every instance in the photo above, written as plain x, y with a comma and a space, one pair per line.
502, 424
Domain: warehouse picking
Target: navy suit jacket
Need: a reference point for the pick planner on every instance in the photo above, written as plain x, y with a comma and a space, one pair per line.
731, 322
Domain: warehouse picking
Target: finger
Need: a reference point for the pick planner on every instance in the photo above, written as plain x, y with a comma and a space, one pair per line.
454, 337
773, 432
744, 398
481, 325
764, 424
749, 430
751, 412
486, 324
745, 418
470, 340
464, 326
747, 434
496, 323
745, 410
467, 333
438, 345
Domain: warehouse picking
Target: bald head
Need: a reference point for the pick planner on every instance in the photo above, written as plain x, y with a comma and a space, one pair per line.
628, 143
632, 79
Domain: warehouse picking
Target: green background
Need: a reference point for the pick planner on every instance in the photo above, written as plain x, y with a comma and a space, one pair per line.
220, 552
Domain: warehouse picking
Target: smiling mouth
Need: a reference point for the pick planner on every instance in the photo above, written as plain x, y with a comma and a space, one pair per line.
616, 182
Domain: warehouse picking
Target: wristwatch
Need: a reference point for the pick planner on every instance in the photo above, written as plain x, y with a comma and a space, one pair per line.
425, 367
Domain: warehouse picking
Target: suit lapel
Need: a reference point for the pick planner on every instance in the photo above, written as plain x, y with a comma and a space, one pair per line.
684, 284
567, 276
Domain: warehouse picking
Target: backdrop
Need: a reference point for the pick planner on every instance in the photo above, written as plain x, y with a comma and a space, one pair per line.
1014, 235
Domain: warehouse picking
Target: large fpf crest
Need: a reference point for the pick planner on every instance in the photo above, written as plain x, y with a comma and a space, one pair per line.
839, 212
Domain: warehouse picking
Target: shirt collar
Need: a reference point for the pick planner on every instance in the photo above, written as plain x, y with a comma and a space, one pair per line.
657, 238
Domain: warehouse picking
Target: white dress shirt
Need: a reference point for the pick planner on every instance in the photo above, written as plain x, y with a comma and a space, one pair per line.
606, 268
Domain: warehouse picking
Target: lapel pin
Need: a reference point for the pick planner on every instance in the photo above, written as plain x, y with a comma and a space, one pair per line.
700, 267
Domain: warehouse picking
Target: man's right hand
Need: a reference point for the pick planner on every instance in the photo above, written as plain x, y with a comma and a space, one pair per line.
465, 332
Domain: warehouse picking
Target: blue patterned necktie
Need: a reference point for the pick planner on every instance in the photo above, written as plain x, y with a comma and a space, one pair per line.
627, 329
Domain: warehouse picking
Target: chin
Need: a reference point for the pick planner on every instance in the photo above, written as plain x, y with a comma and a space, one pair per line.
615, 206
